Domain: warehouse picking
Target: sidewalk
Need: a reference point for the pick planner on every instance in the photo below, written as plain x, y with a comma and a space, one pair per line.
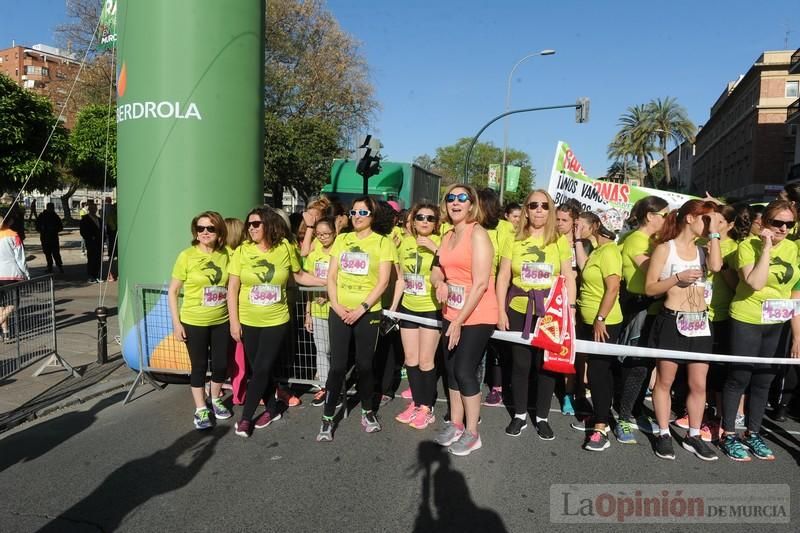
24, 397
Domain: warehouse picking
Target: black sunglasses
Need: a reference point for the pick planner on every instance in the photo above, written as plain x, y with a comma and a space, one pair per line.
461, 197
201, 229
254, 224
775, 223
536, 205
425, 218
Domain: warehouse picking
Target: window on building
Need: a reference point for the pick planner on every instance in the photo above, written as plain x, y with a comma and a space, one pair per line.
792, 89
45, 72
1, 59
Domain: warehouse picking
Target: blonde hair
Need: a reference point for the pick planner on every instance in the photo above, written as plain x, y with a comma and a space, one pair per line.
475, 212
550, 234
235, 233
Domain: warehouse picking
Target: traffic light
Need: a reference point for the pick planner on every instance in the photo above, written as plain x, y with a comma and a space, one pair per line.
582, 110
369, 159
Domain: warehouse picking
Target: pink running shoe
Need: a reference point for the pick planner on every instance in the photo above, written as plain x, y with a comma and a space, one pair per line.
408, 415
423, 418
406, 394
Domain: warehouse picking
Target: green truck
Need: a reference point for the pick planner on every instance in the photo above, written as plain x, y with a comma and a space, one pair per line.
405, 183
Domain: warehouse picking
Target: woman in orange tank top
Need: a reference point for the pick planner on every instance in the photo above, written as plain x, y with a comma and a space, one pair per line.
464, 284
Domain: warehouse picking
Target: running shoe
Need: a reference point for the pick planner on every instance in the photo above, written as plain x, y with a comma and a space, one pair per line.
287, 397
448, 435
423, 418
566, 406
465, 445
697, 446
683, 422
266, 419
220, 411
580, 425
597, 442
623, 431
663, 447
370, 422
706, 433
514, 429
325, 430
244, 428
406, 394
494, 398
758, 447
741, 421
202, 419
733, 448
646, 424
544, 430
408, 414
319, 398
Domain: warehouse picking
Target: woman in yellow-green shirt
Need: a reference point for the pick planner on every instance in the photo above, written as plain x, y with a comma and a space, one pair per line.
418, 298
528, 268
259, 315
769, 267
359, 272
202, 323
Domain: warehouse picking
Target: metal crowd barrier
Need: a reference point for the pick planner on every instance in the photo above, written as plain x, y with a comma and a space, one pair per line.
27, 309
161, 353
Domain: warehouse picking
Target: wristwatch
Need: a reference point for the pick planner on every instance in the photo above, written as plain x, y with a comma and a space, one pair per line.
600, 318
365, 305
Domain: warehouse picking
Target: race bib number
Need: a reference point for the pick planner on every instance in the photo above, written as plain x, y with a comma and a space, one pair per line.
265, 294
693, 324
778, 310
355, 263
708, 291
415, 284
214, 296
456, 295
536, 273
321, 269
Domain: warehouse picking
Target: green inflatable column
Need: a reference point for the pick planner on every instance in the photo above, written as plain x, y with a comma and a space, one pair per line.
190, 131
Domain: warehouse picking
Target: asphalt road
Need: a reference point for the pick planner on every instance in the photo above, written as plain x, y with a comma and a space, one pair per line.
141, 467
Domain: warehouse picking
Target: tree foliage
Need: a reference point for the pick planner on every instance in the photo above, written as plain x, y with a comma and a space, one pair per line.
26, 123
449, 163
93, 147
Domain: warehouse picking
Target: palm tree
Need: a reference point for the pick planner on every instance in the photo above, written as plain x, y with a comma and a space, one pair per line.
668, 120
634, 139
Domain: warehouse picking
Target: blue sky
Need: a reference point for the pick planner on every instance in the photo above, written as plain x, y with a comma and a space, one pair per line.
440, 67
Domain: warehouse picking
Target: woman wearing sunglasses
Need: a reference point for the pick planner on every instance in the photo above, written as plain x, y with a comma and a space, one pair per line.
359, 272
464, 284
647, 216
419, 341
528, 268
259, 315
678, 269
768, 270
316, 318
202, 323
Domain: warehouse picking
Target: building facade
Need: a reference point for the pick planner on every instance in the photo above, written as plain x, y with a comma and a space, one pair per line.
44, 69
745, 149
793, 122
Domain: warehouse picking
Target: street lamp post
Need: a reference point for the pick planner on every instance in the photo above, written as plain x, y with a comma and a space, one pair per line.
547, 52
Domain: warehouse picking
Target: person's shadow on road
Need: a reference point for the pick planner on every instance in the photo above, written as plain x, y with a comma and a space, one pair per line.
36, 441
455, 510
139, 480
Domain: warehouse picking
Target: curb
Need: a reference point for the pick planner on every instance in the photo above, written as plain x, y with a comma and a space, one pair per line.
88, 394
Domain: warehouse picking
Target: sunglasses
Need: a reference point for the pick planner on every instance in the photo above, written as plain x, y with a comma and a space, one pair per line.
425, 218
461, 197
201, 229
662, 214
537, 205
775, 223
360, 212
323, 235
254, 224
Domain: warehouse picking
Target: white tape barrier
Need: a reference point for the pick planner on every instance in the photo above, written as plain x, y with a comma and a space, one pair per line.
618, 350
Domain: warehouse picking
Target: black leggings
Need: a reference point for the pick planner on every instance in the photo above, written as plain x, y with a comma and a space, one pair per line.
365, 334
522, 358
463, 360
200, 340
635, 375
759, 340
601, 370
262, 346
